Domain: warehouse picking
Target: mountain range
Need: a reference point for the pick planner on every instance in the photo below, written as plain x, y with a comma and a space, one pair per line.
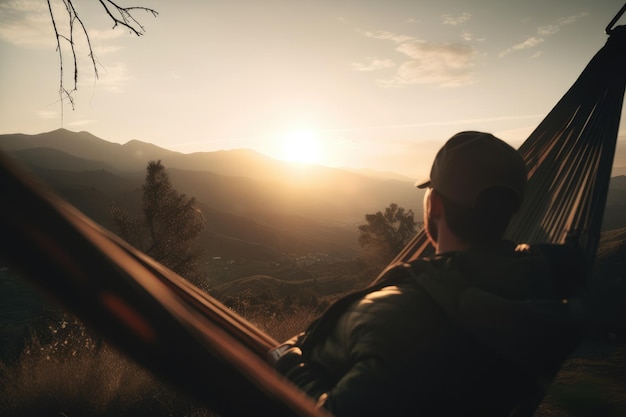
255, 206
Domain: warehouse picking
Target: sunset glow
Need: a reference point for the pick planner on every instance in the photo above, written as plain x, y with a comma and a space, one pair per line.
379, 85
301, 146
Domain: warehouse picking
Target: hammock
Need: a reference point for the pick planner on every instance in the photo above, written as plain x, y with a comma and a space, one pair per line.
569, 158
198, 345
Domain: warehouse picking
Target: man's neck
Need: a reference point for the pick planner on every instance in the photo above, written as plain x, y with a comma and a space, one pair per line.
448, 242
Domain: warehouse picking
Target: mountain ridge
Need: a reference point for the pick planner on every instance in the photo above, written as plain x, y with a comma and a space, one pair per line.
258, 209
87, 146
332, 185
251, 201
134, 154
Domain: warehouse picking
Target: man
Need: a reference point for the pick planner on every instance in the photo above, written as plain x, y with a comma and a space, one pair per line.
480, 329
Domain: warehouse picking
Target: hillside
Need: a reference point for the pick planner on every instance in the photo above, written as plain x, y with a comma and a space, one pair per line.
239, 181
133, 156
616, 204
608, 288
129, 157
50, 158
259, 211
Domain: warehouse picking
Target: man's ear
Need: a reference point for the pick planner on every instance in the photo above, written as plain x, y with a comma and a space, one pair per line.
436, 204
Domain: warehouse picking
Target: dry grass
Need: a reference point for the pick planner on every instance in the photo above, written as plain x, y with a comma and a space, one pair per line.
74, 376
72, 373
282, 327
591, 384
66, 371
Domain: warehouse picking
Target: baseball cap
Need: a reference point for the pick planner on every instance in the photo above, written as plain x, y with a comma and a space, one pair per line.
471, 162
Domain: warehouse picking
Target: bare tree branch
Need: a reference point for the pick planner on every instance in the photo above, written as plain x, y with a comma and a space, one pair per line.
62, 90
121, 16
126, 18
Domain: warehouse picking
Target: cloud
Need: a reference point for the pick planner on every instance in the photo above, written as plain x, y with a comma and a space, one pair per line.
451, 20
441, 64
374, 64
543, 31
555, 27
47, 114
26, 22
23, 5
527, 44
114, 77
571, 19
548, 30
388, 36
78, 123
97, 35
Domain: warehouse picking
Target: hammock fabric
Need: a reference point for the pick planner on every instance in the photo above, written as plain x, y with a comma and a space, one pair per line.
150, 313
569, 158
203, 348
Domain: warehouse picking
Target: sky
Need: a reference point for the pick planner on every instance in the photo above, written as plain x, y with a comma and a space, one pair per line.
344, 83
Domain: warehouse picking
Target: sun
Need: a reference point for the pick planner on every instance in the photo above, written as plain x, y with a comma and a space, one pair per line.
301, 146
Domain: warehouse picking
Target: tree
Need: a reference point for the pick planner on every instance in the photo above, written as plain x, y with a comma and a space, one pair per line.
386, 234
67, 34
169, 225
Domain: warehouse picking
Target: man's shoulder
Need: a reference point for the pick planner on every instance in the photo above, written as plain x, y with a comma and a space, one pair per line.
398, 292
401, 273
393, 310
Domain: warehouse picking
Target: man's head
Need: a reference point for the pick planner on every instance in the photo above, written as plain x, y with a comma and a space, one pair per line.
481, 181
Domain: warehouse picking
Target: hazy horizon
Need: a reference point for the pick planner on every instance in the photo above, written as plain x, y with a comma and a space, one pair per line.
421, 172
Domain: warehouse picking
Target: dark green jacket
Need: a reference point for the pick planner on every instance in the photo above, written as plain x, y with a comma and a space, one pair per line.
476, 333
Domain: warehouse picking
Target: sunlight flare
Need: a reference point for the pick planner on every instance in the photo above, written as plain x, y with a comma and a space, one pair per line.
301, 146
